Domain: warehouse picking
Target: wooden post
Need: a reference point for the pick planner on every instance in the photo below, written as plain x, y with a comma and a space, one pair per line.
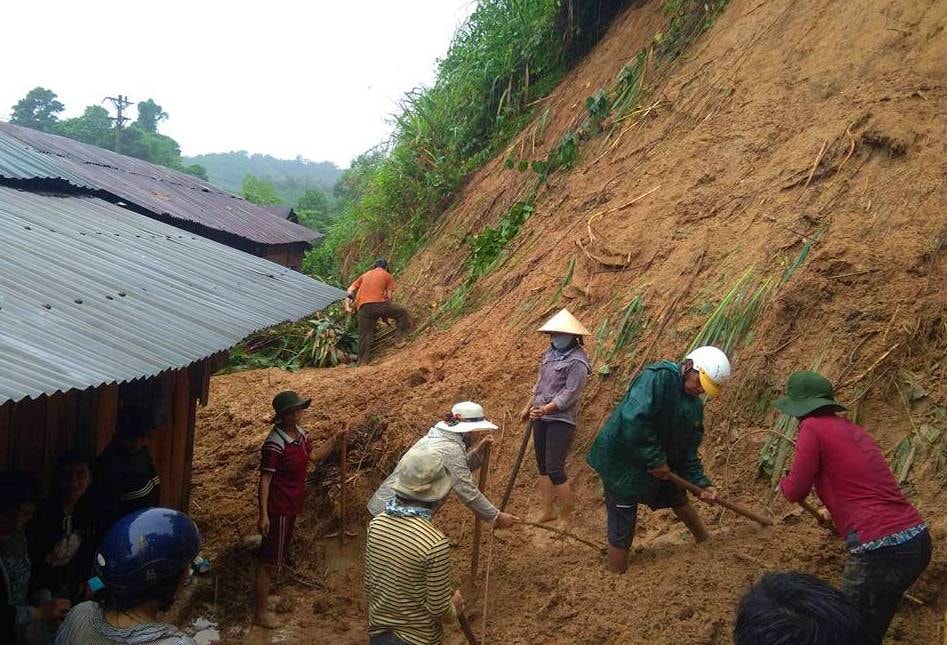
516, 466
342, 455
484, 469
680, 482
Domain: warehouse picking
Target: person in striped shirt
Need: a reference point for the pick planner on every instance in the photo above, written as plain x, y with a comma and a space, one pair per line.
407, 559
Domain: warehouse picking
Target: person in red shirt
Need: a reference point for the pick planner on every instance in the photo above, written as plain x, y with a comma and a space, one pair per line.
287, 453
888, 543
372, 293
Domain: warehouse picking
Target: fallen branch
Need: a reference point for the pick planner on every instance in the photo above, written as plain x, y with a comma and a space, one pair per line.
816, 164
297, 577
870, 369
553, 529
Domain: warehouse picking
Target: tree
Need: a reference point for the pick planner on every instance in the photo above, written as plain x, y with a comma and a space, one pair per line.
37, 110
197, 170
94, 126
260, 191
149, 115
314, 201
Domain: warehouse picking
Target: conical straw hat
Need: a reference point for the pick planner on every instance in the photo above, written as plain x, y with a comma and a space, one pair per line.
564, 323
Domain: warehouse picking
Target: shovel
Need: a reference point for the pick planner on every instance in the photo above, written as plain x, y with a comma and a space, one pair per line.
680, 482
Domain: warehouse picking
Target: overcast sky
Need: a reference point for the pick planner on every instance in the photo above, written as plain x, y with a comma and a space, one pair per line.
314, 78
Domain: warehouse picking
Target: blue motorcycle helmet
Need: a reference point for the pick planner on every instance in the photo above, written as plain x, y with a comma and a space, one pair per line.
144, 555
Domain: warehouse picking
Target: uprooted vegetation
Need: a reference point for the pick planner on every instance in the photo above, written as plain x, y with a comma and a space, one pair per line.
777, 186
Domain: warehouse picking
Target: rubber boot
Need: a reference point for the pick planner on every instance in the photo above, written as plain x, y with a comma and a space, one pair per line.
688, 515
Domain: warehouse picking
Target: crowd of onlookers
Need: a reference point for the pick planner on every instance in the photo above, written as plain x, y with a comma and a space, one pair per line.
54, 549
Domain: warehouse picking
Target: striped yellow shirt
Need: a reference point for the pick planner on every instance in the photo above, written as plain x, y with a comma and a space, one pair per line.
407, 578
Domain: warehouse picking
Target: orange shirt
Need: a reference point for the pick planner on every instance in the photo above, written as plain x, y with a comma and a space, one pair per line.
372, 286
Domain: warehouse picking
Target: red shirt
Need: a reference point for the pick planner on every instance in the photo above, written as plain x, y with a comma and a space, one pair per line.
851, 477
288, 460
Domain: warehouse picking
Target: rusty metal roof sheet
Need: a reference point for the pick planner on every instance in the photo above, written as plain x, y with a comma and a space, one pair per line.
93, 293
157, 189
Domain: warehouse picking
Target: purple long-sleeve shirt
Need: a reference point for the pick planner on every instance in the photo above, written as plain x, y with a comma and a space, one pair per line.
561, 379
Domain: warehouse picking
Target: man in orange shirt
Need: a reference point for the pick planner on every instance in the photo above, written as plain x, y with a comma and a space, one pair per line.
372, 293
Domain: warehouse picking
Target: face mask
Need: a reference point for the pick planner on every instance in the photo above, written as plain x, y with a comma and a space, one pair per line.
466, 438
562, 341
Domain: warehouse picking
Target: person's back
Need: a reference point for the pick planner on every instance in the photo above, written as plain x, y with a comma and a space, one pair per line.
374, 285
86, 625
407, 578
853, 479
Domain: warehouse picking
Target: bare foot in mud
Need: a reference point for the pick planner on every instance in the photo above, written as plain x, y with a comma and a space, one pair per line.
266, 621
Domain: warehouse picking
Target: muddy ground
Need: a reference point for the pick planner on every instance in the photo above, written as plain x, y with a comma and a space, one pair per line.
801, 141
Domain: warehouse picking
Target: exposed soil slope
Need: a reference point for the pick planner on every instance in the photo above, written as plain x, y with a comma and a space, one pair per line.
786, 123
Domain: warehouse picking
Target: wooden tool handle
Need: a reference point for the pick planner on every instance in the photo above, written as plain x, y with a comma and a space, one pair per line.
823, 522
482, 484
343, 449
680, 482
468, 630
516, 467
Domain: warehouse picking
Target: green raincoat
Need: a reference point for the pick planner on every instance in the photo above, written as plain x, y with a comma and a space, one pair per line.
656, 423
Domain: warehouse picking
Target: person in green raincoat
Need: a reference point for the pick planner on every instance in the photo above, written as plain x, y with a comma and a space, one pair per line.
656, 430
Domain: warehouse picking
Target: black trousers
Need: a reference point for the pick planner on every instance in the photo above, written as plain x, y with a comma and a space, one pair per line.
371, 312
876, 580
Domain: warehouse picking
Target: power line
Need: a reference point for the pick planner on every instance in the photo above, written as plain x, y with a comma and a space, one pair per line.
121, 103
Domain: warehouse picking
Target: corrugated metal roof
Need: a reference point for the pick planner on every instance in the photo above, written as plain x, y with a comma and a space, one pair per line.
93, 293
155, 188
22, 162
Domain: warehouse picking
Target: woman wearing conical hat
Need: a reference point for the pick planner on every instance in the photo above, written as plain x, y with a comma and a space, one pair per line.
553, 408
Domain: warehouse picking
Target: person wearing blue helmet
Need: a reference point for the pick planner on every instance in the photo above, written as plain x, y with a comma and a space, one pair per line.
143, 560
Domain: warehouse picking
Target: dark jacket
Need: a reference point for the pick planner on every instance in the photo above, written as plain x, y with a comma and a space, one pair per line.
656, 423
122, 482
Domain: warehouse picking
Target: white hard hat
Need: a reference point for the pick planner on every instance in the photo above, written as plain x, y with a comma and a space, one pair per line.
713, 367
564, 323
421, 475
469, 417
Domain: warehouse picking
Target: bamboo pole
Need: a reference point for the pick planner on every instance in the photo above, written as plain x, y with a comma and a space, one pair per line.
343, 449
516, 467
484, 470
680, 482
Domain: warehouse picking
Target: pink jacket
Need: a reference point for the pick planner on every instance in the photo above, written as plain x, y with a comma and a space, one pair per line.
851, 477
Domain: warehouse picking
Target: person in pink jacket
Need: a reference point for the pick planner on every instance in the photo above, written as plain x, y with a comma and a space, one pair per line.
888, 543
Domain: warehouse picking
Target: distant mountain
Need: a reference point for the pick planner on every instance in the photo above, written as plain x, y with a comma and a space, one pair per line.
291, 176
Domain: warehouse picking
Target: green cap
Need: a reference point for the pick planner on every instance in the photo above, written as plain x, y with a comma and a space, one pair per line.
806, 392
288, 400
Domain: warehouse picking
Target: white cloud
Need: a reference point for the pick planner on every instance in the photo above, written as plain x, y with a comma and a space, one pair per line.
317, 78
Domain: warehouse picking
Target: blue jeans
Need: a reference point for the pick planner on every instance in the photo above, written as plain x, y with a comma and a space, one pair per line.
876, 580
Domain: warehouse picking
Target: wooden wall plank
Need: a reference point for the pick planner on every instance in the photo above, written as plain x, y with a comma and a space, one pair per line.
104, 416
28, 435
179, 466
162, 440
6, 459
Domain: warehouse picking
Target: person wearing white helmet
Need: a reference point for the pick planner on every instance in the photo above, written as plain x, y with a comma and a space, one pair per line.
459, 438
656, 430
553, 408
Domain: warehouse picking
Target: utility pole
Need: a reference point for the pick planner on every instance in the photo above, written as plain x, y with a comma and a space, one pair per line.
121, 103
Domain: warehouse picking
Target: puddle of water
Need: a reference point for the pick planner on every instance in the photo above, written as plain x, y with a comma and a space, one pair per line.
205, 631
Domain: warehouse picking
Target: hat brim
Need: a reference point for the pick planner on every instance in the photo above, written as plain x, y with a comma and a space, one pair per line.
299, 405
801, 407
431, 492
466, 426
711, 389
